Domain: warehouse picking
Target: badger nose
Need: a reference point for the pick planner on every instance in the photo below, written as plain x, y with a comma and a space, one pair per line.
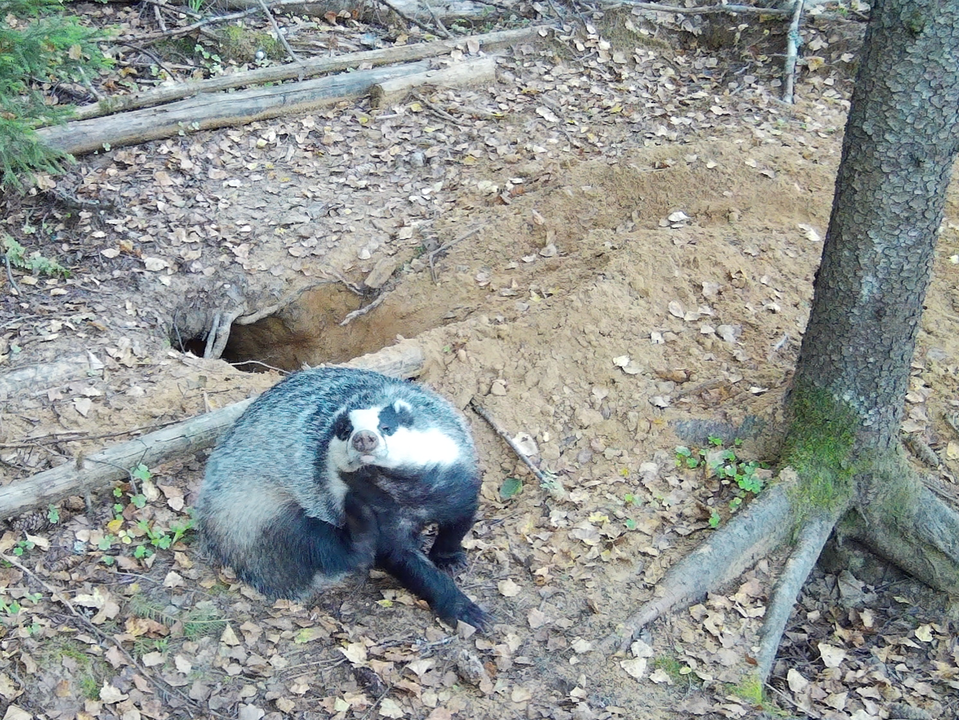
364, 442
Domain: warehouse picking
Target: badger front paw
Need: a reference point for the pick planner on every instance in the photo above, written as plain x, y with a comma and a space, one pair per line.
470, 613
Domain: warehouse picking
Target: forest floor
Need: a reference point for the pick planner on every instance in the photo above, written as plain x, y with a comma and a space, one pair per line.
638, 226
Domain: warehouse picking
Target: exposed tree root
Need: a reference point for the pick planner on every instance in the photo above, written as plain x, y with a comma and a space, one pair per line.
907, 524
898, 518
753, 533
813, 536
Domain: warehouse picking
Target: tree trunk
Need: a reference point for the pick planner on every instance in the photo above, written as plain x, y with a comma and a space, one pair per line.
847, 401
898, 154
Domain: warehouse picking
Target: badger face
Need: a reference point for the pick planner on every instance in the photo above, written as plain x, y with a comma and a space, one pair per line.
389, 436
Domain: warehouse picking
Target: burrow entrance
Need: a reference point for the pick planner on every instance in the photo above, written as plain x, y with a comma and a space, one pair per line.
319, 325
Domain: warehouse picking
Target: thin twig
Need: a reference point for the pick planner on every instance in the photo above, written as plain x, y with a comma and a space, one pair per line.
442, 114
447, 246
276, 29
793, 42
436, 19
153, 56
13, 283
547, 482
411, 20
362, 311
74, 435
212, 20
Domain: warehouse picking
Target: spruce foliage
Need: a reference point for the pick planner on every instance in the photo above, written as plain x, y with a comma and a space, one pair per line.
39, 45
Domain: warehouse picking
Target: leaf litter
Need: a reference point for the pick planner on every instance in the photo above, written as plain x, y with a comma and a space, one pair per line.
644, 211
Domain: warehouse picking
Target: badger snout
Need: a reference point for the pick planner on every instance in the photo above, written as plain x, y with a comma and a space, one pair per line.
366, 443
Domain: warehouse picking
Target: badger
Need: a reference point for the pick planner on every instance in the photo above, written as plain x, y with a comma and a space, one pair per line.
337, 470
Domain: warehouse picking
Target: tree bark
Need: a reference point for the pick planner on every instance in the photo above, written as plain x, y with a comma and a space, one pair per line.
846, 402
897, 161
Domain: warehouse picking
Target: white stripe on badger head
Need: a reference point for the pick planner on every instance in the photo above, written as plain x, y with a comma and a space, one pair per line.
365, 419
419, 448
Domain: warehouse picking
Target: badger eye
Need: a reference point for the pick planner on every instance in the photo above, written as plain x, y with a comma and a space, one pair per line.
387, 428
342, 428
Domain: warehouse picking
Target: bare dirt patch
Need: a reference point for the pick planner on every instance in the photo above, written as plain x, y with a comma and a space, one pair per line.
638, 280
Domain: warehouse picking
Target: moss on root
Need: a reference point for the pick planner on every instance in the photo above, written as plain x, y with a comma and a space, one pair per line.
821, 447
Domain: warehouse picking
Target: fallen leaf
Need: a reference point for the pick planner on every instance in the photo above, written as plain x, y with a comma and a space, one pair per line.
832, 656
635, 667
508, 588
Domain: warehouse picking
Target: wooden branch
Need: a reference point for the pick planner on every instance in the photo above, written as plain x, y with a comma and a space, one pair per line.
703, 10
409, 20
100, 470
446, 246
210, 20
281, 38
474, 71
302, 70
216, 110
42, 377
547, 481
793, 41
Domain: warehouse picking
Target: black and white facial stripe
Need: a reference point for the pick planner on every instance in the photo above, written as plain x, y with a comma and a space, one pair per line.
387, 436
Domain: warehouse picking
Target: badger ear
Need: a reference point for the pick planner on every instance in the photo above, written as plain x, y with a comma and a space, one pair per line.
402, 407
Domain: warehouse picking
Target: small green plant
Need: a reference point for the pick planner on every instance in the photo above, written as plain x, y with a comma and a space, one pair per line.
159, 538
510, 487
714, 521
141, 472
143, 645
22, 547
35, 263
201, 622
53, 514
9, 608
723, 463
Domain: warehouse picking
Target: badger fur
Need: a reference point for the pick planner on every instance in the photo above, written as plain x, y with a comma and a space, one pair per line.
335, 470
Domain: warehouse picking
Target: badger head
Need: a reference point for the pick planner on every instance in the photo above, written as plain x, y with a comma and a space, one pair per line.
389, 436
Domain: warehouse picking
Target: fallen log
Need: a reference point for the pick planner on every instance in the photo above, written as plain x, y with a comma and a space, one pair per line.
100, 470
214, 110
469, 72
304, 70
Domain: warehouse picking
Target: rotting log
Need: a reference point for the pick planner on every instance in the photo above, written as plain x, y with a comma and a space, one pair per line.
304, 70
463, 74
99, 470
214, 110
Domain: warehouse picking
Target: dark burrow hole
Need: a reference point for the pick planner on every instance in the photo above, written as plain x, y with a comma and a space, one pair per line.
305, 331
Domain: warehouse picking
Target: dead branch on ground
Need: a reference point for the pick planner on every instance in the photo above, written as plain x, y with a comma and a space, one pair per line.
547, 482
446, 246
